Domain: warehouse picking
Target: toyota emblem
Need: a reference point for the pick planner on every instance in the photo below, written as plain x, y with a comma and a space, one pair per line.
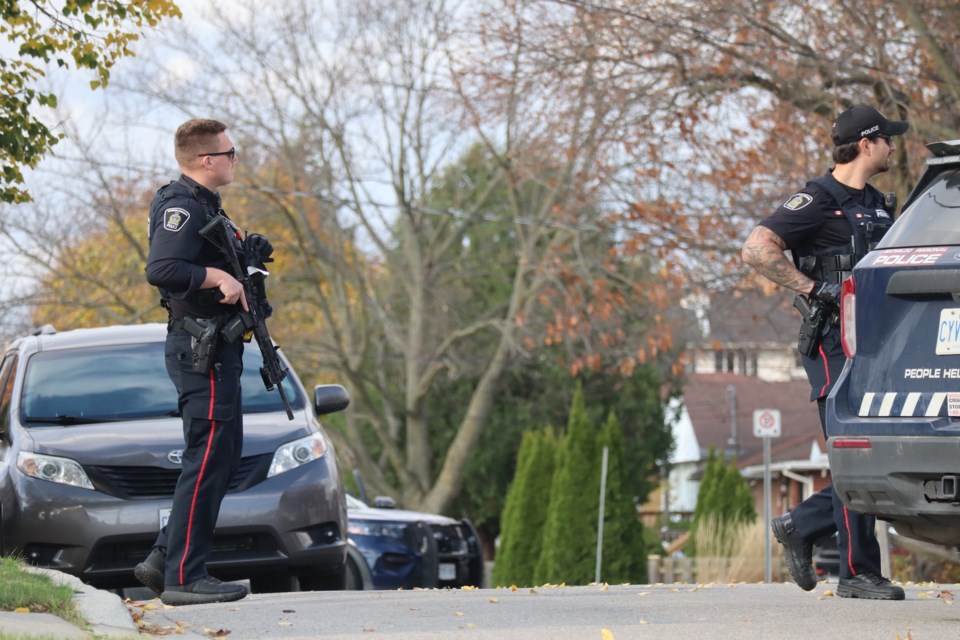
175, 456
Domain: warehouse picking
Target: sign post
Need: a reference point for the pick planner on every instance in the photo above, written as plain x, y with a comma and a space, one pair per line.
766, 425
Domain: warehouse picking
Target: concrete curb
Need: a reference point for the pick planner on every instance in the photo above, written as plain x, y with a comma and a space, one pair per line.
105, 612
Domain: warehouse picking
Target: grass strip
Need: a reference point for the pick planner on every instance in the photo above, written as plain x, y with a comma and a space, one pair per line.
21, 590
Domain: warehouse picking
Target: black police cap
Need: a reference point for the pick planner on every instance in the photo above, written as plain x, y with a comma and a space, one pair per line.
863, 121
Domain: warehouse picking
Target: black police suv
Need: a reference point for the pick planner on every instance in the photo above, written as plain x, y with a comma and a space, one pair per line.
391, 548
893, 418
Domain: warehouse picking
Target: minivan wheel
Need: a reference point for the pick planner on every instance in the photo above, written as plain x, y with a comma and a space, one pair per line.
272, 583
324, 580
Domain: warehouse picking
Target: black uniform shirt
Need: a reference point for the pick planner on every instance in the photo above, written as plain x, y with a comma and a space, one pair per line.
811, 219
178, 254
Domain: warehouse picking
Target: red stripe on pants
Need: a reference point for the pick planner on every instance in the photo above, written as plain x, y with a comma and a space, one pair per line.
846, 523
203, 466
826, 371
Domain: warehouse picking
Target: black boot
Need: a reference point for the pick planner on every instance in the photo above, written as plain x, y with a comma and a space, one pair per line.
150, 571
799, 552
869, 586
205, 590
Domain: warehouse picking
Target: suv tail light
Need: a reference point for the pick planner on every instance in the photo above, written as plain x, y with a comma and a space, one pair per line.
848, 317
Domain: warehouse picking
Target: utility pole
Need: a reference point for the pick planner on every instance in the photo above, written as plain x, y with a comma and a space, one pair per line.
732, 403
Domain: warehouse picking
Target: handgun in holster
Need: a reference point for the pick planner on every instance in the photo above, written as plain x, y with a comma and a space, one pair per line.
203, 341
815, 315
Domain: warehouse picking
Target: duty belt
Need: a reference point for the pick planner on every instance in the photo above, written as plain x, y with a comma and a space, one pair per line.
828, 268
191, 324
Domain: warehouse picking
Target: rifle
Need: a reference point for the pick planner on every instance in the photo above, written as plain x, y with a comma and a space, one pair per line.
225, 238
815, 315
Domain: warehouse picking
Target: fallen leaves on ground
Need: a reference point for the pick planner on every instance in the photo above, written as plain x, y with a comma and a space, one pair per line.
217, 633
606, 634
137, 613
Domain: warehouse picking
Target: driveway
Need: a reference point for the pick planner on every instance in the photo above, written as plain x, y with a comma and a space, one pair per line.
677, 612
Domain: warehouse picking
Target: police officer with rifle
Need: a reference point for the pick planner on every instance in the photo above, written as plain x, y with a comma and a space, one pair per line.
828, 226
195, 261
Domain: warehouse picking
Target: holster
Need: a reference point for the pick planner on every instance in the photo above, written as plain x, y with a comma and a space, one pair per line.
203, 344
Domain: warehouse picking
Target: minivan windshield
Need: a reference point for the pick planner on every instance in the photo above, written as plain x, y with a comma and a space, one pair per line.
123, 382
933, 219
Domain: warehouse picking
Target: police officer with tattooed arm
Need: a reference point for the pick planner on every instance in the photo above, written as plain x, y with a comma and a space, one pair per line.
202, 297
828, 226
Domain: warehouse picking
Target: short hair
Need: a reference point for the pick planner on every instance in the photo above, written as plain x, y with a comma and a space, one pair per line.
194, 137
846, 152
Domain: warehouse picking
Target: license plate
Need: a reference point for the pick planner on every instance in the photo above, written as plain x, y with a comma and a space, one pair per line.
164, 516
448, 571
948, 332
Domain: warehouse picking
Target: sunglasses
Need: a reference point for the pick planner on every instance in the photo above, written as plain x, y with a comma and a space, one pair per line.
232, 153
886, 139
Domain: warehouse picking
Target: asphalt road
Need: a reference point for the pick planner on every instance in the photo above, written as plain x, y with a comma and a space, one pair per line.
674, 612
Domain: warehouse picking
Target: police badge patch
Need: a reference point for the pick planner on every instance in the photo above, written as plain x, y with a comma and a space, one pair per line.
798, 201
174, 219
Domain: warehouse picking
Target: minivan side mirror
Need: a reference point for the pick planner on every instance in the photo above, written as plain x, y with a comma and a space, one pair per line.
330, 398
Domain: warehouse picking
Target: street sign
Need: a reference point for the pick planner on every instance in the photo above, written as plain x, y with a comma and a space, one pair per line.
766, 423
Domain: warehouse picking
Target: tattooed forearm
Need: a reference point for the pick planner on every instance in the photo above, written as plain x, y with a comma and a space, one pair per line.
763, 251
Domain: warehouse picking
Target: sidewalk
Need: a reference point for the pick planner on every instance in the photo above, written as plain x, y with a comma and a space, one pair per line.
105, 612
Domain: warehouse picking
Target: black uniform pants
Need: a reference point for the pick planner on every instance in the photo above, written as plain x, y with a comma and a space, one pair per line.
210, 404
824, 513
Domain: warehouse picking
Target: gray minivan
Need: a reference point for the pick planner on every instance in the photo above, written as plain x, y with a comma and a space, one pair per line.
90, 445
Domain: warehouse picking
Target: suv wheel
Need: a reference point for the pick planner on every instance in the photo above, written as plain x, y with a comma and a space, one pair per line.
354, 582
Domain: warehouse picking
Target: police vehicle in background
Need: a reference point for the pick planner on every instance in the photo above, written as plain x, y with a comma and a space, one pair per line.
893, 418
391, 548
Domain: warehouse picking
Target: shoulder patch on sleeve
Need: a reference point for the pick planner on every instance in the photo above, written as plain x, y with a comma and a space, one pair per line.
798, 201
175, 218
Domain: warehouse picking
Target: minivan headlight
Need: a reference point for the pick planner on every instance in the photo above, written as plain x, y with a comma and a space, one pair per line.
54, 469
297, 453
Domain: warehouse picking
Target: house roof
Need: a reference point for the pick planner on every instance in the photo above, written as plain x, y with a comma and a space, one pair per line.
705, 397
751, 317
739, 316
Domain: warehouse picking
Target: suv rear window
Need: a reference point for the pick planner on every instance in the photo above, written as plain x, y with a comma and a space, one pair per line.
930, 221
123, 382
